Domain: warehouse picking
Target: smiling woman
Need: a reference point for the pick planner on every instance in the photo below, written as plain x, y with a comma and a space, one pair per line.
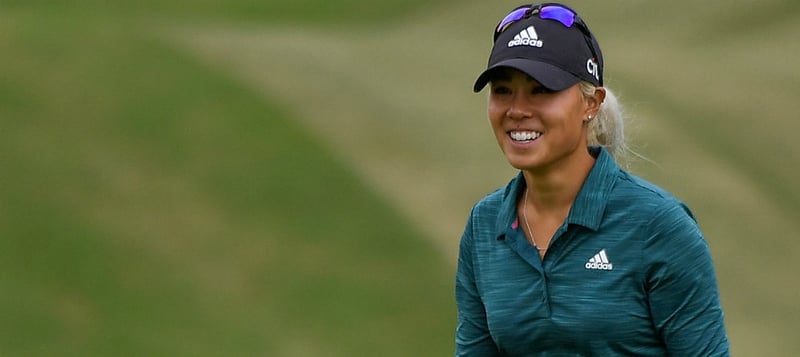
575, 256
536, 145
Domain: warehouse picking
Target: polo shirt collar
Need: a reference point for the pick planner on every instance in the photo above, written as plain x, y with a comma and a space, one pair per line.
589, 205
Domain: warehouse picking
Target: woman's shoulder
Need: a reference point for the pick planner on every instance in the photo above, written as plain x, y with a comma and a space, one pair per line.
631, 186
641, 195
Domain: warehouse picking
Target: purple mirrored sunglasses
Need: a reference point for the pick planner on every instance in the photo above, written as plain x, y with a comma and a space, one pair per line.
557, 12
550, 11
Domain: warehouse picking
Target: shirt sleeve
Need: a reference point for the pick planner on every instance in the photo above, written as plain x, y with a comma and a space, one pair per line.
682, 286
472, 332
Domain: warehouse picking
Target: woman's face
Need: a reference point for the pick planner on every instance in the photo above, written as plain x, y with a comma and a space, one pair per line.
536, 128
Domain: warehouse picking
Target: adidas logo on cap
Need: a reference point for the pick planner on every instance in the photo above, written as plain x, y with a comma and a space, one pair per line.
526, 37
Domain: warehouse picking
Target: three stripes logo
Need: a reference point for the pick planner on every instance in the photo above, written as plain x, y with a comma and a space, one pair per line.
526, 37
599, 262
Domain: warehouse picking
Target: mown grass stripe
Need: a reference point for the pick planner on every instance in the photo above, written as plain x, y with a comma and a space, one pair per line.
159, 207
706, 127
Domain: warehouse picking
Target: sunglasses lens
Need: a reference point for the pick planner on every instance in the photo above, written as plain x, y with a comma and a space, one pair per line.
514, 16
558, 13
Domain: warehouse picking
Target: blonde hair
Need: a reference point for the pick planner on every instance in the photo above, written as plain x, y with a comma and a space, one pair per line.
607, 129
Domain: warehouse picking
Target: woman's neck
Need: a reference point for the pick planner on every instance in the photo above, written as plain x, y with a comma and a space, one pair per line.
556, 188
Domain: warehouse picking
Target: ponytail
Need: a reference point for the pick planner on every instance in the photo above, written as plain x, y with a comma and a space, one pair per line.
607, 128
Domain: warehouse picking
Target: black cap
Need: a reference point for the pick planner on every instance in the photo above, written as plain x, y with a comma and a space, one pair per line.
554, 55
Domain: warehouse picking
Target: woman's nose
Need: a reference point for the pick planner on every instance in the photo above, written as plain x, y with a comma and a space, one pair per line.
518, 110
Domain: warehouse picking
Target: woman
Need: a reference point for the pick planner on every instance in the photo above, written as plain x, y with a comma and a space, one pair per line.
575, 256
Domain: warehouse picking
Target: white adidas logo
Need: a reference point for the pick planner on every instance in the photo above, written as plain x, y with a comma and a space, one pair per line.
526, 37
599, 262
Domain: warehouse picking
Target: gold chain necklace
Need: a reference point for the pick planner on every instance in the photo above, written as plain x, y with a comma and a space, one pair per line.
525, 215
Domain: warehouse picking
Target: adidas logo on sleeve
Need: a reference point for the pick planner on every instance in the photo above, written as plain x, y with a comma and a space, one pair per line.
526, 37
599, 262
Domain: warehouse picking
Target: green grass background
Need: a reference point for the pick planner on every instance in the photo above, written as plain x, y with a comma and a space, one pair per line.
291, 178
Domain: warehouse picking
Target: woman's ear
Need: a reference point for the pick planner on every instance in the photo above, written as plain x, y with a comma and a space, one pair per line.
594, 101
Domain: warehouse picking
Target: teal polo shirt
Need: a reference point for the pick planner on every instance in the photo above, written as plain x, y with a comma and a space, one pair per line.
627, 274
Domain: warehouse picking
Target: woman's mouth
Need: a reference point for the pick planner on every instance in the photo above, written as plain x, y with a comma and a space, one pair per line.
524, 135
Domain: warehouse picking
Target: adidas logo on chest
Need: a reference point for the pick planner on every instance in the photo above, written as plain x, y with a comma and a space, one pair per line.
526, 37
599, 262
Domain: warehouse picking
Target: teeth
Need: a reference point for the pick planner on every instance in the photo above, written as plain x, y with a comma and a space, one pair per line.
525, 135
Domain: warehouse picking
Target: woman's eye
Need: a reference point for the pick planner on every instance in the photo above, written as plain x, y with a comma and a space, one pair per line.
501, 90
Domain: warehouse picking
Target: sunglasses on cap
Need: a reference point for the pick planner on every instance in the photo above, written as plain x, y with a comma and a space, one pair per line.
548, 11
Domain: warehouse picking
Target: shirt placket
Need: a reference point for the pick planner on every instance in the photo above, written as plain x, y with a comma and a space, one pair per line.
519, 244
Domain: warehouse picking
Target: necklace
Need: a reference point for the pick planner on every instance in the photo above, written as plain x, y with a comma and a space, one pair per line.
525, 216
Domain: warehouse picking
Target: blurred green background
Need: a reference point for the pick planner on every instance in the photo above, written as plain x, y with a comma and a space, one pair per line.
271, 178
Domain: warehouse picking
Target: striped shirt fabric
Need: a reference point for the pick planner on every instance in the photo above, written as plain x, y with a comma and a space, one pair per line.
627, 274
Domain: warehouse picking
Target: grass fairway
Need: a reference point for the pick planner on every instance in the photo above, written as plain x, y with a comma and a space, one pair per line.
291, 178
153, 206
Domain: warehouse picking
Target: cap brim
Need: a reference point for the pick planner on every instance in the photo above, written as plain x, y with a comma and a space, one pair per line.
551, 77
